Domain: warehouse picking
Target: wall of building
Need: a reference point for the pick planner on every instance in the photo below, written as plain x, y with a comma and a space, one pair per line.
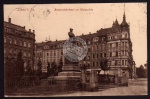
49, 52
18, 39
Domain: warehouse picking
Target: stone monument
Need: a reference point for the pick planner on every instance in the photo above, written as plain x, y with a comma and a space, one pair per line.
70, 74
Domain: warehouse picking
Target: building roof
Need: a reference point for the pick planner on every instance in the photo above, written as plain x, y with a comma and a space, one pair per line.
14, 26
55, 42
50, 42
124, 23
101, 32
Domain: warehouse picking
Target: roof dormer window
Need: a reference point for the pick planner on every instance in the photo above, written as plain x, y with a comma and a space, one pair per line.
95, 39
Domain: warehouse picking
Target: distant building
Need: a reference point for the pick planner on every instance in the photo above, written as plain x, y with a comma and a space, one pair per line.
16, 39
112, 44
49, 52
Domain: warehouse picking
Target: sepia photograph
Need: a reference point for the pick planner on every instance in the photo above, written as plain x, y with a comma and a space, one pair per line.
82, 49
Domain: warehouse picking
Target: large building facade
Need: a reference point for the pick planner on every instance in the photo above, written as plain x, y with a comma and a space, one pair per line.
112, 44
18, 39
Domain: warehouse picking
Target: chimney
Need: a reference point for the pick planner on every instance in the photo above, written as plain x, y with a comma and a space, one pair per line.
29, 30
9, 20
24, 27
33, 31
49, 37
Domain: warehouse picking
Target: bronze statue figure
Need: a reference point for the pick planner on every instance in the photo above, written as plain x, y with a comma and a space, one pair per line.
71, 34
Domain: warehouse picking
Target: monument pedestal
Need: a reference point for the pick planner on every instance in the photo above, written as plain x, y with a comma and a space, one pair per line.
69, 78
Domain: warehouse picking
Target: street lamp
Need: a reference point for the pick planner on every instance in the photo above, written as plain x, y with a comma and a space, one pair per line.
133, 69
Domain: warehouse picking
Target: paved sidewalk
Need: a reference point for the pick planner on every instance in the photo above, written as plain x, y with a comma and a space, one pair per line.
136, 87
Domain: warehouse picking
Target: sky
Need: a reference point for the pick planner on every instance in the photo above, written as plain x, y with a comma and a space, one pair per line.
53, 21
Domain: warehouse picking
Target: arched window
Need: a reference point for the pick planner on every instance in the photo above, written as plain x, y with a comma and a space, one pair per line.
89, 42
29, 44
4, 39
123, 35
20, 43
25, 44
15, 41
10, 40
